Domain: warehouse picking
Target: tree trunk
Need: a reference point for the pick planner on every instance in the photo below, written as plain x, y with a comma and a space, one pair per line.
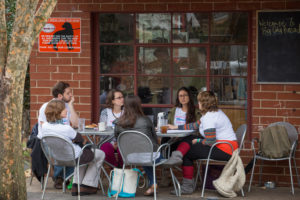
13, 65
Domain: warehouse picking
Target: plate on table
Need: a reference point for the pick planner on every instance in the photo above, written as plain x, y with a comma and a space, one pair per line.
91, 126
180, 131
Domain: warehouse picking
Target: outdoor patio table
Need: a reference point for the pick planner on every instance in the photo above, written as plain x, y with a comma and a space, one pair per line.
91, 134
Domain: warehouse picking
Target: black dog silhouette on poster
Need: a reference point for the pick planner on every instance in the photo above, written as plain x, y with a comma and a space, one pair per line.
65, 35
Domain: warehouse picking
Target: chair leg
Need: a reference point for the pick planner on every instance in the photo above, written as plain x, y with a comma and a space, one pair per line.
64, 181
176, 184
100, 181
45, 184
254, 162
204, 179
296, 171
78, 183
291, 175
197, 175
154, 182
260, 172
122, 177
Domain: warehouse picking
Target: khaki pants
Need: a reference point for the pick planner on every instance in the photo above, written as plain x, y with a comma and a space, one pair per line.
89, 174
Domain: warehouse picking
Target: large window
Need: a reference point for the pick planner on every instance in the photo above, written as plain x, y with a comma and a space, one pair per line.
152, 55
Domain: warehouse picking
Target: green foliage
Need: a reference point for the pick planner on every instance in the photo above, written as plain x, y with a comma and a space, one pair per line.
10, 16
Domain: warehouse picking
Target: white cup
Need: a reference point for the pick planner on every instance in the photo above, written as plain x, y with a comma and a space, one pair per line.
101, 126
81, 124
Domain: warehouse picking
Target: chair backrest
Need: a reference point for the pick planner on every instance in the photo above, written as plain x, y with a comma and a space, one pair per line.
240, 135
291, 130
135, 143
58, 150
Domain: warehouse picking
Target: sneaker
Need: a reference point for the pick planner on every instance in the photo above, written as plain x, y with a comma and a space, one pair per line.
58, 183
87, 190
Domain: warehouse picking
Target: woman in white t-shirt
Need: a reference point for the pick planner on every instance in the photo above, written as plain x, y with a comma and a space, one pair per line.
114, 110
214, 126
55, 112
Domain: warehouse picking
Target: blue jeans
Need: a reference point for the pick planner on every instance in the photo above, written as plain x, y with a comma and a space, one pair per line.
149, 171
59, 171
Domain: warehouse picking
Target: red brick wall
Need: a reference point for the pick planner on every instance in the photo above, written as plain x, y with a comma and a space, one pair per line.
276, 102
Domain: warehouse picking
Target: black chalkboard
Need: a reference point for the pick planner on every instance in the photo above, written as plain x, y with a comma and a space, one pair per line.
278, 46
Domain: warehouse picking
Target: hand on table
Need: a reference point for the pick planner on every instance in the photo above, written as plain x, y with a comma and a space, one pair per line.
172, 127
194, 141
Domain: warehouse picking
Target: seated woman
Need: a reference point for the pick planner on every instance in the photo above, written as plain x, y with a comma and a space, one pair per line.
114, 102
184, 112
88, 181
133, 118
214, 126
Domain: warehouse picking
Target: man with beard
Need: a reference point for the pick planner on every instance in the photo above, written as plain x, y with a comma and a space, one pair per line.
60, 91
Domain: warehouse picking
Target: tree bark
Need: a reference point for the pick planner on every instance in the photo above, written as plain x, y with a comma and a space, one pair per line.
13, 64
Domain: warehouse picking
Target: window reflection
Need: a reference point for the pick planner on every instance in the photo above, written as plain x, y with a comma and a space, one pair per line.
116, 59
229, 60
189, 60
154, 60
159, 89
190, 27
116, 27
153, 28
229, 27
230, 91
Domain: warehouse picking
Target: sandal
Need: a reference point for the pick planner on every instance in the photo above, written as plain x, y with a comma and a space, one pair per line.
150, 191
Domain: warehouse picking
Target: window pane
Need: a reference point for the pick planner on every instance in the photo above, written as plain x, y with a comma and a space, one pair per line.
153, 28
123, 83
154, 60
116, 59
195, 84
190, 28
189, 60
116, 28
229, 60
229, 27
230, 91
156, 89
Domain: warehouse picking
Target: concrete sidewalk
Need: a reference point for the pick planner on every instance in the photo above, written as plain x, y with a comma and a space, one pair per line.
283, 193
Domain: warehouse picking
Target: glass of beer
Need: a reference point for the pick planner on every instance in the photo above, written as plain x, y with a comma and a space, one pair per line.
164, 126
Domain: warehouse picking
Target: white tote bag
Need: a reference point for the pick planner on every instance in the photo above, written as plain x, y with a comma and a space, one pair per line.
129, 183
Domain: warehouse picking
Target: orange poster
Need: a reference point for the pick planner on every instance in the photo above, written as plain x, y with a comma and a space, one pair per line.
60, 35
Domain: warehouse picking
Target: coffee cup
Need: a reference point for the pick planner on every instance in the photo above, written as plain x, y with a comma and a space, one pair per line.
101, 126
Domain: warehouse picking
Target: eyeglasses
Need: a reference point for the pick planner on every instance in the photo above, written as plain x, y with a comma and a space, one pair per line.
118, 98
182, 96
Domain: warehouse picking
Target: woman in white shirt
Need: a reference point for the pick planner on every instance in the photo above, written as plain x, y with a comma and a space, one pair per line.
55, 112
114, 110
214, 126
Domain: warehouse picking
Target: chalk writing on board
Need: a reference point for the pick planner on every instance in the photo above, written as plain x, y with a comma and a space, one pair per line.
279, 27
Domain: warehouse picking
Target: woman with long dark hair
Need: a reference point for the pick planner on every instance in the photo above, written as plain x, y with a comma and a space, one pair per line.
133, 118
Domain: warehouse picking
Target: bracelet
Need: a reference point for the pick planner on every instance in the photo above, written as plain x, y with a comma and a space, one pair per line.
198, 140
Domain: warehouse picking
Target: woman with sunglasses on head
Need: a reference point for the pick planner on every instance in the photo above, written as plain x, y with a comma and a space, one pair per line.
134, 119
114, 110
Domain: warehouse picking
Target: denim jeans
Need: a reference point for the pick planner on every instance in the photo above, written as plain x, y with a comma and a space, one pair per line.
149, 171
59, 171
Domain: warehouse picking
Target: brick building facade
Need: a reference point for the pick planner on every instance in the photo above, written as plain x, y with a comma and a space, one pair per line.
269, 102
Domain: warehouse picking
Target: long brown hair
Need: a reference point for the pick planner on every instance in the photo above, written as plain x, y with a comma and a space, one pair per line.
190, 114
132, 111
208, 101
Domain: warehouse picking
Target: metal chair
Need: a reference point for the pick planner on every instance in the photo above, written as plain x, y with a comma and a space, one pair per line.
240, 134
293, 136
61, 152
136, 148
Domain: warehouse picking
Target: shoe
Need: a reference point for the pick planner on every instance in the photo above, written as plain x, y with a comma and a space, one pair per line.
58, 183
175, 159
187, 186
74, 190
150, 191
87, 190
166, 179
